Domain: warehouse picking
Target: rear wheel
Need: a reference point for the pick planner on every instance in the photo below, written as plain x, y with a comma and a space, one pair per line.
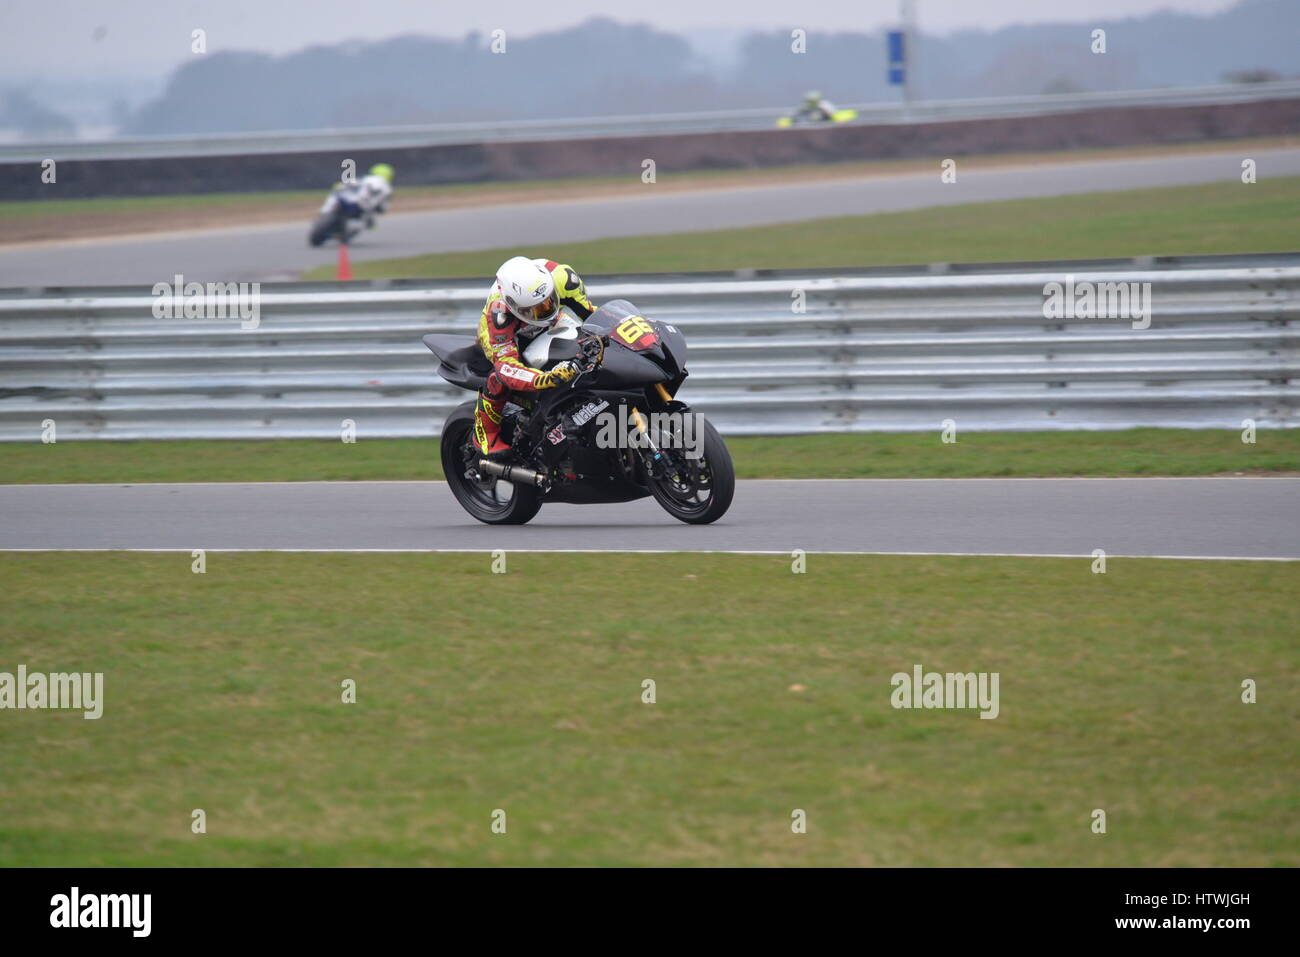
488, 499
694, 490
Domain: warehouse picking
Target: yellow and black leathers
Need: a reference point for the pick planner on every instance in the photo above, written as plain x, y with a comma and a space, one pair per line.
502, 337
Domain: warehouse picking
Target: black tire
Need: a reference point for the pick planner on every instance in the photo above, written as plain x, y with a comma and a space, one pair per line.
321, 230
483, 500
713, 472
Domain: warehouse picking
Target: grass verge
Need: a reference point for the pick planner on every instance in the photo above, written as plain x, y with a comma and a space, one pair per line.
859, 455
222, 692
1212, 218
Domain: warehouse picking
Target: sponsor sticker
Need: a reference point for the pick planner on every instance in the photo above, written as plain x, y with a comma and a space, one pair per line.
588, 412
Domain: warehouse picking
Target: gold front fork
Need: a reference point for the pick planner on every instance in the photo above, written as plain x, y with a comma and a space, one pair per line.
639, 421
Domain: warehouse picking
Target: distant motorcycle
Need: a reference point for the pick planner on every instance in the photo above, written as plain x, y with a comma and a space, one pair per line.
336, 218
805, 119
614, 434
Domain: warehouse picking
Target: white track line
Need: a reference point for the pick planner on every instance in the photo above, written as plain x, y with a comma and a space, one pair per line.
1022, 478
653, 551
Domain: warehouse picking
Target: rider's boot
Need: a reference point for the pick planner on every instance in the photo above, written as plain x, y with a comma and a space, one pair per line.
487, 426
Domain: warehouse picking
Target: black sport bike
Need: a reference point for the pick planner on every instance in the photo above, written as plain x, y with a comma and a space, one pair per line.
613, 434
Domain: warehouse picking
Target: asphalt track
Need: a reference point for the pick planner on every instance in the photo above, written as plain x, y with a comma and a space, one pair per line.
281, 252
1176, 517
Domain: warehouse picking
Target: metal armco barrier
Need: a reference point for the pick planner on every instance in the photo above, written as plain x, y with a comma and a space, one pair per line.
871, 350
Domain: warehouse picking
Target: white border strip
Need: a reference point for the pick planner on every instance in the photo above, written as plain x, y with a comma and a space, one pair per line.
652, 551
752, 481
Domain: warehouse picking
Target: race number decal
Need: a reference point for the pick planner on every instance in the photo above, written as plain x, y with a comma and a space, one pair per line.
636, 332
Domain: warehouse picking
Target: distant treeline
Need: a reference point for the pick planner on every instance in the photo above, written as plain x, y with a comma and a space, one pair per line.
603, 67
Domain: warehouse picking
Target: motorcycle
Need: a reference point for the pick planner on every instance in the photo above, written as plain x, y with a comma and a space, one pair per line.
839, 116
615, 433
334, 219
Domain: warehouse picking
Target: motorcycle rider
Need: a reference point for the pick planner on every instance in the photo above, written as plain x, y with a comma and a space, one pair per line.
525, 300
815, 107
366, 198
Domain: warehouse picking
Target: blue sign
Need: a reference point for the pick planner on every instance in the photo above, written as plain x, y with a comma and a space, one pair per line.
897, 60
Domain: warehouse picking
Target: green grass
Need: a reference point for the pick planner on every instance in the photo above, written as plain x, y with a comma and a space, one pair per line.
17, 210
26, 209
13, 210
861, 455
106, 205
1227, 217
222, 692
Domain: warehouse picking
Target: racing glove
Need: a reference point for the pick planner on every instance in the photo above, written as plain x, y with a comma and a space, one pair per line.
563, 372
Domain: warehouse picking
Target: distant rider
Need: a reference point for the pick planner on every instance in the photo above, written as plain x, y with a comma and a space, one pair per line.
816, 107
525, 300
366, 198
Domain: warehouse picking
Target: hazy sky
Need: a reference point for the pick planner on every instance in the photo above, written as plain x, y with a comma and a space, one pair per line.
47, 39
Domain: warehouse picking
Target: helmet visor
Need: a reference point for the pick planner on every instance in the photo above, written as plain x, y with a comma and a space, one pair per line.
541, 313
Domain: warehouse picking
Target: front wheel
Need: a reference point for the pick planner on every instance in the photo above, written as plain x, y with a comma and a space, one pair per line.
490, 500
321, 229
694, 490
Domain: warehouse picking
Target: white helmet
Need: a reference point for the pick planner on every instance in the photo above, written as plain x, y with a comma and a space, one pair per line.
529, 291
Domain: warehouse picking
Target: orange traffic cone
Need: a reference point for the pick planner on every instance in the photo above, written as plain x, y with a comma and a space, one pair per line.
345, 265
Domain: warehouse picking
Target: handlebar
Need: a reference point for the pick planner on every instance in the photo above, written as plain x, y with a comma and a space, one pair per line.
591, 352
